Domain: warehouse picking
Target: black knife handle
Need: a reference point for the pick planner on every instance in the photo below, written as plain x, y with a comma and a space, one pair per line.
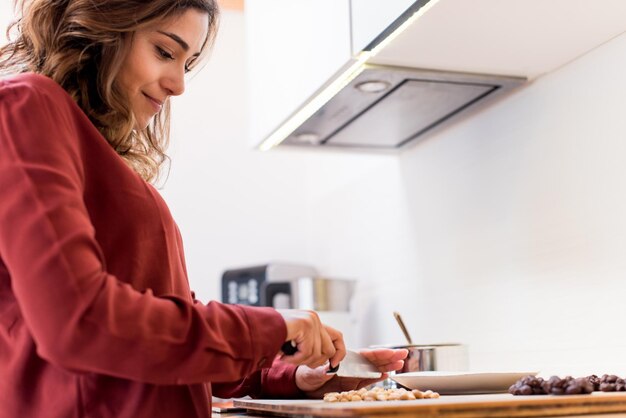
289, 348
332, 370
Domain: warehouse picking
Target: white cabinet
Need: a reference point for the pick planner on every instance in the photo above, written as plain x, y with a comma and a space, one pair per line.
371, 17
293, 48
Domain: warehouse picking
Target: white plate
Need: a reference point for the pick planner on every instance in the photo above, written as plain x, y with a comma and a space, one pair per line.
457, 383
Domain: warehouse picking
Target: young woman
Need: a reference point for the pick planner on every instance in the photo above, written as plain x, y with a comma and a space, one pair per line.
96, 315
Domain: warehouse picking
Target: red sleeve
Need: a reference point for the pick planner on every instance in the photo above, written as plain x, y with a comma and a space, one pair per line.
80, 316
278, 381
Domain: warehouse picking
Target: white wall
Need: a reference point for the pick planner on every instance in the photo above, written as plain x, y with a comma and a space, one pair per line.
505, 232
6, 15
235, 207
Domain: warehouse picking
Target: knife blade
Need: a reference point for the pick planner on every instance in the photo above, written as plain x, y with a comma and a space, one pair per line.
352, 365
355, 365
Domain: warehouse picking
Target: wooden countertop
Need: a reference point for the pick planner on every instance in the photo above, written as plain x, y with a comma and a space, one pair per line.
501, 405
245, 415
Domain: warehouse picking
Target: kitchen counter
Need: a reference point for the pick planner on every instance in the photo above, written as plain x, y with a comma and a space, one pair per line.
499, 405
245, 415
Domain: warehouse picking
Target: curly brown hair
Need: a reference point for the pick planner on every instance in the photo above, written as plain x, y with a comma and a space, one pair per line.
81, 45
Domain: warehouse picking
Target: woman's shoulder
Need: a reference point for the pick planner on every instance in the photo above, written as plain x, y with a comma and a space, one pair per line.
33, 83
36, 92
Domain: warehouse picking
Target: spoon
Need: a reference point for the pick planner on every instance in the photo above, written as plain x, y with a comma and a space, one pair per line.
403, 328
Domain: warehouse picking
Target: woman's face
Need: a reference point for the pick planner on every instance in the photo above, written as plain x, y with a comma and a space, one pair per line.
157, 61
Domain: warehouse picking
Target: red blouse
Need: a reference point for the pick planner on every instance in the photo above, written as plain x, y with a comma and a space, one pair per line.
96, 315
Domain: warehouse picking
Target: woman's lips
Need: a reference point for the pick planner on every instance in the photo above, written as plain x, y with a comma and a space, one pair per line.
156, 105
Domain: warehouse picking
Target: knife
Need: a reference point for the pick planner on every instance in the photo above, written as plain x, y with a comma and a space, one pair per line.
352, 365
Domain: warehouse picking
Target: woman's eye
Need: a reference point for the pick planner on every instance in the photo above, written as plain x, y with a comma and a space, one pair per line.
164, 54
190, 64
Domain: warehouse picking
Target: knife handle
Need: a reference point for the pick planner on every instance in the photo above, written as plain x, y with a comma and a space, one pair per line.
332, 370
289, 348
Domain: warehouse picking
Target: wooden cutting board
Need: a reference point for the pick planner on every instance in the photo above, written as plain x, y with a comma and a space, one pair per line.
464, 406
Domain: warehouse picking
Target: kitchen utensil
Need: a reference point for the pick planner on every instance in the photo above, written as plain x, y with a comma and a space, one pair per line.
355, 365
460, 383
352, 365
403, 328
434, 357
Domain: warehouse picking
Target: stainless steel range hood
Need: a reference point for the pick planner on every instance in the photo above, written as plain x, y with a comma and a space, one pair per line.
437, 62
369, 104
387, 107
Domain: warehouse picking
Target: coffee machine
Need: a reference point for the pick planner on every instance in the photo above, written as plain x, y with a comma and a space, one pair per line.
291, 286
246, 285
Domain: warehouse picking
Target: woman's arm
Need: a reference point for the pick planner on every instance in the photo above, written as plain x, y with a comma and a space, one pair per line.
278, 381
80, 316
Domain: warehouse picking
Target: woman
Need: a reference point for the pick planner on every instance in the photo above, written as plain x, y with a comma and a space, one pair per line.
96, 316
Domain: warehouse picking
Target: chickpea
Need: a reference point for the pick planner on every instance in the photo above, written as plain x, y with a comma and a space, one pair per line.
381, 397
379, 394
405, 396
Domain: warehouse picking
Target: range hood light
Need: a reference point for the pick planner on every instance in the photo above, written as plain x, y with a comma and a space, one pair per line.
290, 125
373, 86
308, 138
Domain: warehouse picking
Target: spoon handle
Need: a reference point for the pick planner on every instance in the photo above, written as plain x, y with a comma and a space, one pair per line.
402, 327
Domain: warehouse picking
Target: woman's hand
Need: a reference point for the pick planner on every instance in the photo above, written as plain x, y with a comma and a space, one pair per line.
316, 343
315, 382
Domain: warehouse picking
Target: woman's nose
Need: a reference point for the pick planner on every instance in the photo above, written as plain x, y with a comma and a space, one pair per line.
175, 83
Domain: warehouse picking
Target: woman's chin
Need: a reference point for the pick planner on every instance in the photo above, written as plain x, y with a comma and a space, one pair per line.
141, 124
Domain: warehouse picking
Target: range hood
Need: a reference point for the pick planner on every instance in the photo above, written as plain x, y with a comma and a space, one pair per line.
387, 107
367, 105
440, 61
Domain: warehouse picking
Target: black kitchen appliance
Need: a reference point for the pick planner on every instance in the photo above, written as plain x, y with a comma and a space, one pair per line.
247, 285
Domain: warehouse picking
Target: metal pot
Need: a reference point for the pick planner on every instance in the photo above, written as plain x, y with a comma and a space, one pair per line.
435, 357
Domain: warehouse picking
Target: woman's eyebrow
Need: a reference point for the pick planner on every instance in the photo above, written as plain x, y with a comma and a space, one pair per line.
176, 38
